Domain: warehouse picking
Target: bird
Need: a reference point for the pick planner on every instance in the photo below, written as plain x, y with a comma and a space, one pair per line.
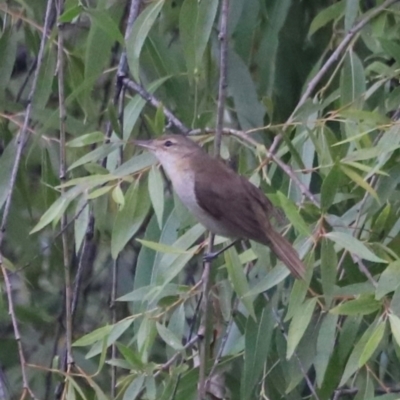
226, 203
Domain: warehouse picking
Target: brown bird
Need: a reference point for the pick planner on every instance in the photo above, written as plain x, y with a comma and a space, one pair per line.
226, 203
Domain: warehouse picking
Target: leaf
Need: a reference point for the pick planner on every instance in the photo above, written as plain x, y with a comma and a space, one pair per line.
81, 222
389, 280
135, 164
88, 138
161, 247
354, 246
273, 278
156, 191
372, 344
395, 327
292, 213
352, 81
195, 23
118, 196
350, 15
328, 14
103, 20
94, 155
325, 346
130, 218
329, 264
6, 165
329, 187
359, 180
258, 336
140, 31
94, 336
298, 326
70, 14
134, 388
364, 305
238, 279
168, 337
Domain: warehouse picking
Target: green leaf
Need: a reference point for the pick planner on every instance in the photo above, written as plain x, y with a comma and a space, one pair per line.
352, 81
372, 344
329, 264
130, 218
258, 336
6, 165
326, 15
325, 345
88, 138
8, 49
71, 13
389, 280
94, 336
168, 337
354, 246
81, 222
156, 191
94, 155
273, 278
298, 326
140, 31
350, 14
161, 247
135, 164
195, 23
364, 305
359, 181
352, 364
134, 389
395, 327
292, 213
329, 188
94, 194
104, 21
238, 279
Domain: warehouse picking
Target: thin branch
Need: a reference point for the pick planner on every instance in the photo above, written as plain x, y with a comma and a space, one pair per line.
21, 139
63, 177
155, 103
223, 71
329, 62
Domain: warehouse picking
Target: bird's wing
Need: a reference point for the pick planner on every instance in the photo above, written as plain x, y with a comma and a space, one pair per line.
229, 198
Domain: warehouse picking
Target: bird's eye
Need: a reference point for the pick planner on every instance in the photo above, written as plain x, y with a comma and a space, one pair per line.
168, 143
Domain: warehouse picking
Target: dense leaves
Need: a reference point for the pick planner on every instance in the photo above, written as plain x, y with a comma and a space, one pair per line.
334, 174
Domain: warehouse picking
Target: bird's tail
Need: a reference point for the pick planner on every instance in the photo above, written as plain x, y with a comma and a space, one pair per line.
286, 253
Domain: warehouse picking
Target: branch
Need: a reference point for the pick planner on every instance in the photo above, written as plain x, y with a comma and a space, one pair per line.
329, 62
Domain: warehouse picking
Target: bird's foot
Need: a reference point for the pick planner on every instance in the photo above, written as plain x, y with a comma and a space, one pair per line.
207, 257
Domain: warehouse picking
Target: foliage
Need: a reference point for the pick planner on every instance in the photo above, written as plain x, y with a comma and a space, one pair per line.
127, 237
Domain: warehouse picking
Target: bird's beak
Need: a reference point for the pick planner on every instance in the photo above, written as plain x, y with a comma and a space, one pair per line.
147, 144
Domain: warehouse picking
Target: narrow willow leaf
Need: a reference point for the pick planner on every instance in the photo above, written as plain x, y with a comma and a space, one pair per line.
140, 31
195, 23
325, 346
350, 14
81, 222
104, 21
135, 164
88, 138
293, 214
328, 270
329, 188
395, 327
168, 337
94, 194
161, 247
6, 164
156, 191
273, 278
327, 15
94, 155
358, 179
130, 218
352, 363
238, 279
362, 306
389, 280
258, 336
134, 389
118, 196
94, 336
298, 326
353, 245
372, 344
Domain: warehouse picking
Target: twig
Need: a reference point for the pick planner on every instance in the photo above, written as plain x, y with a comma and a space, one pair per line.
155, 103
20, 145
63, 177
329, 62
223, 70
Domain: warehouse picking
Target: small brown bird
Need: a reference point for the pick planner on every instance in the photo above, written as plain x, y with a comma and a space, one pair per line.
226, 203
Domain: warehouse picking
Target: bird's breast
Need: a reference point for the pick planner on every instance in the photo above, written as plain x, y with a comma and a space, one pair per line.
184, 185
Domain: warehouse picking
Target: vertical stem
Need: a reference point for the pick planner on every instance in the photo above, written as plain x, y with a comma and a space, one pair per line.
62, 172
206, 323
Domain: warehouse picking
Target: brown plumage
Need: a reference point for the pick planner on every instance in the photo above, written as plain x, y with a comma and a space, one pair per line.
223, 201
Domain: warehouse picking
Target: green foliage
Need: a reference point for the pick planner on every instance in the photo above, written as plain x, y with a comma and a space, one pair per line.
334, 334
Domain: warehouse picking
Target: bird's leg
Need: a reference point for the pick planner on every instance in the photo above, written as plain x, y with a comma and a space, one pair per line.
211, 256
